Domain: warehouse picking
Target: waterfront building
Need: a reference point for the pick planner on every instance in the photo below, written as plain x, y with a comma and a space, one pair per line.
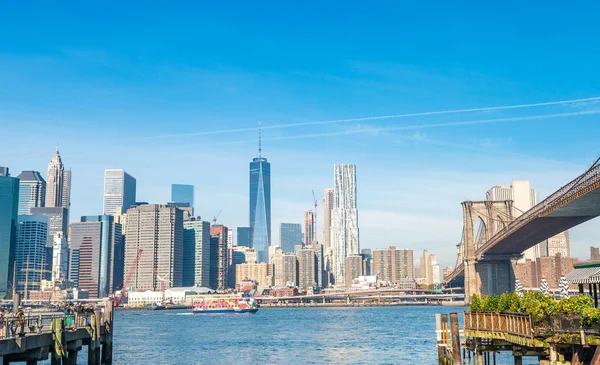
181, 193
435, 271
60, 258
244, 236
32, 191
553, 268
285, 268
354, 266
307, 268
556, 244
426, 268
320, 276
9, 206
219, 257
393, 265
260, 205
157, 230
344, 229
58, 222
594, 253
261, 272
196, 252
30, 253
328, 202
97, 255
119, 191
58, 184
447, 272
308, 227
290, 234
526, 272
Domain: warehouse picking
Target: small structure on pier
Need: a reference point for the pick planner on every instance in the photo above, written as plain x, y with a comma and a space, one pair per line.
586, 274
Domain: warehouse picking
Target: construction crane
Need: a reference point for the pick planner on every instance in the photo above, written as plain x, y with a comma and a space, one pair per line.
129, 276
214, 220
315, 218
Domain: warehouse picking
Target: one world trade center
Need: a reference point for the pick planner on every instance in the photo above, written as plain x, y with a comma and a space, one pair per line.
260, 205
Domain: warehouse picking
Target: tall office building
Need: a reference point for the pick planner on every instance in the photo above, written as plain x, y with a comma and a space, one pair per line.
32, 191
306, 268
524, 198
426, 268
344, 228
9, 205
119, 191
181, 193
320, 276
260, 205
58, 184
556, 244
308, 228
328, 201
157, 230
219, 257
436, 277
244, 236
30, 253
96, 247
285, 268
60, 258
57, 222
196, 252
290, 234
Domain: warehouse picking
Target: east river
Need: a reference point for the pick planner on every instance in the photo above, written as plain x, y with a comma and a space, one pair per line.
352, 335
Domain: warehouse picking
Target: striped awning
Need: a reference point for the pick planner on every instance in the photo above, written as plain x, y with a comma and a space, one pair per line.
584, 275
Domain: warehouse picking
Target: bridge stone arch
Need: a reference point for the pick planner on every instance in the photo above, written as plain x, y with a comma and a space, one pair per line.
489, 212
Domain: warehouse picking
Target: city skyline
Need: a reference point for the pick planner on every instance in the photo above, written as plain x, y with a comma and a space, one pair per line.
156, 107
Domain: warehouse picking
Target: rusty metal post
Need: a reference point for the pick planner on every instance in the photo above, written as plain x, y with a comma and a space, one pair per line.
455, 338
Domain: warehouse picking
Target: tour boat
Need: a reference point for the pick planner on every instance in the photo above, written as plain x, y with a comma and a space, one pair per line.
225, 305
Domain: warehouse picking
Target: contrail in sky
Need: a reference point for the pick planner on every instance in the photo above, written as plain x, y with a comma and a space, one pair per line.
396, 116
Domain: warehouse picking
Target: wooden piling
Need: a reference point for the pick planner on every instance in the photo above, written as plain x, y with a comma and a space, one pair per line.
455, 334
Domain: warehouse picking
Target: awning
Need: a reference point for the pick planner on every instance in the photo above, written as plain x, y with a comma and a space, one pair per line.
584, 275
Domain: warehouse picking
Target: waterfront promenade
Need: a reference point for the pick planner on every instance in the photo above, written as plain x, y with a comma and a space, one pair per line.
38, 336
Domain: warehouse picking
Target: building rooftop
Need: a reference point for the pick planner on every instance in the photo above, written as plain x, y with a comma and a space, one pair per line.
30, 176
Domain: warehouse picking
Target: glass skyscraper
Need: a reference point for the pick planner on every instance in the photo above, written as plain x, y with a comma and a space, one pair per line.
30, 252
119, 191
260, 207
244, 236
290, 235
9, 204
32, 191
181, 193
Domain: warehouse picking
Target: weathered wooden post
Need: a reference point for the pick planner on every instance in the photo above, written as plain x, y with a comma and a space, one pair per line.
108, 332
455, 338
438, 335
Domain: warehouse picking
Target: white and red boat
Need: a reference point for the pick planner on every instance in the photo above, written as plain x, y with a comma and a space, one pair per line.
225, 305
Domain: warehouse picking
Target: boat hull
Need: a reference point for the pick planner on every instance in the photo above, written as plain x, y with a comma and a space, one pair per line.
217, 311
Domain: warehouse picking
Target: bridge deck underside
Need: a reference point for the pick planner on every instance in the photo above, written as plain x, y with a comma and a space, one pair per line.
567, 216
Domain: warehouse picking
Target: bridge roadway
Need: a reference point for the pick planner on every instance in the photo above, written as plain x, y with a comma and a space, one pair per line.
367, 295
573, 204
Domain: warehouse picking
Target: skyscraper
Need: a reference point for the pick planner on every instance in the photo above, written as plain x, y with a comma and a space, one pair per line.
58, 184
219, 257
181, 193
157, 230
32, 191
60, 258
94, 242
290, 234
260, 205
30, 253
119, 190
426, 268
344, 229
57, 222
306, 268
308, 227
9, 204
393, 265
196, 252
328, 199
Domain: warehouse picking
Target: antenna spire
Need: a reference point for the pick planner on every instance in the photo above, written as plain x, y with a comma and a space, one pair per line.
259, 139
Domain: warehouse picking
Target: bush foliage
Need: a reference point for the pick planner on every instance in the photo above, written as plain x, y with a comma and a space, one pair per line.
539, 306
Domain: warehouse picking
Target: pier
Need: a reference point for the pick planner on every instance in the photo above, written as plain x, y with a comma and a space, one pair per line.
554, 340
58, 336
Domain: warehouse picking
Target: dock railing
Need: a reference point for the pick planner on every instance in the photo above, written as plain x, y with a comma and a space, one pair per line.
33, 323
498, 325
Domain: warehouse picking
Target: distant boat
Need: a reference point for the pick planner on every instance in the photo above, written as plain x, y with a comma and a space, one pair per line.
225, 305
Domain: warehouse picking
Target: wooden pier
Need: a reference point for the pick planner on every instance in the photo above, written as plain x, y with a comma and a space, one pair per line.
555, 340
59, 337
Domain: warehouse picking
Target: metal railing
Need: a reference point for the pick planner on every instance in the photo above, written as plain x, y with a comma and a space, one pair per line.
32, 323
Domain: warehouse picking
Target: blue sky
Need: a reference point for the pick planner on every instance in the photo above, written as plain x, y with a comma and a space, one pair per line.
137, 86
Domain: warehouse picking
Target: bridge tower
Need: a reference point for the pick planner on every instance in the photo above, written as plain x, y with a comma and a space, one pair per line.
485, 275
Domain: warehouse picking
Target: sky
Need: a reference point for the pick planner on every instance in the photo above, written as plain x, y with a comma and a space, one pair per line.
175, 94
